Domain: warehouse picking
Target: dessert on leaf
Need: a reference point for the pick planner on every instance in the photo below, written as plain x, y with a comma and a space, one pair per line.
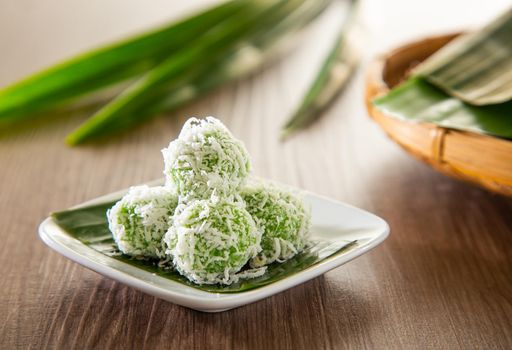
206, 221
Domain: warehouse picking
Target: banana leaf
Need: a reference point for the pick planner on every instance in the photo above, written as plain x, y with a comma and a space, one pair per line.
476, 67
334, 73
213, 60
109, 65
89, 225
418, 100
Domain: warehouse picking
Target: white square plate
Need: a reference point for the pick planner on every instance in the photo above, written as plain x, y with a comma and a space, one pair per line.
331, 221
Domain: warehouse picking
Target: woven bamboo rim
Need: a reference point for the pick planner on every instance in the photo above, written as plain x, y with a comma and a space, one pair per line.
482, 160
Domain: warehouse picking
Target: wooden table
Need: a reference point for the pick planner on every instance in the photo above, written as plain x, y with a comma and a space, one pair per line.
443, 279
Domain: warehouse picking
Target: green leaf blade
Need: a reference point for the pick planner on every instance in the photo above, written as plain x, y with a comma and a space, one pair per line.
418, 101
105, 66
192, 69
330, 80
257, 50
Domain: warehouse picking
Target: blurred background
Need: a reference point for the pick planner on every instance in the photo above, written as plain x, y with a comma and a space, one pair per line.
37, 34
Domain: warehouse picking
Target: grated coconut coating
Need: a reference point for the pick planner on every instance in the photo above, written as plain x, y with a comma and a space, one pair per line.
140, 219
283, 220
205, 159
211, 240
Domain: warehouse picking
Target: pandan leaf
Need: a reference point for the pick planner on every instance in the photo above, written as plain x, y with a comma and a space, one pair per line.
330, 80
108, 65
214, 59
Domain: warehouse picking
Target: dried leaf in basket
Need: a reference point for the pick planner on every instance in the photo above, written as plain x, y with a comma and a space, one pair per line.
475, 67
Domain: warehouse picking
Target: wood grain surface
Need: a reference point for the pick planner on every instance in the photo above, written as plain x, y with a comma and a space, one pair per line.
443, 279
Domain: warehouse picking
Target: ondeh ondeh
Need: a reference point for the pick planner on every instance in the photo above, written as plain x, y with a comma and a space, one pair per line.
205, 159
140, 219
282, 218
215, 228
211, 240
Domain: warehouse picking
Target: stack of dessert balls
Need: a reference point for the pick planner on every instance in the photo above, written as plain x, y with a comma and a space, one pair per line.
213, 223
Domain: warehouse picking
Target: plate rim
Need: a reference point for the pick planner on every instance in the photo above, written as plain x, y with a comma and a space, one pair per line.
198, 299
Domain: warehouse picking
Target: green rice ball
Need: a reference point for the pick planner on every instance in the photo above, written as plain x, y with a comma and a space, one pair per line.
205, 159
211, 240
140, 219
283, 220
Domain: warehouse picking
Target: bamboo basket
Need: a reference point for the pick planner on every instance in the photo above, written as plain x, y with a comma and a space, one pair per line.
480, 159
